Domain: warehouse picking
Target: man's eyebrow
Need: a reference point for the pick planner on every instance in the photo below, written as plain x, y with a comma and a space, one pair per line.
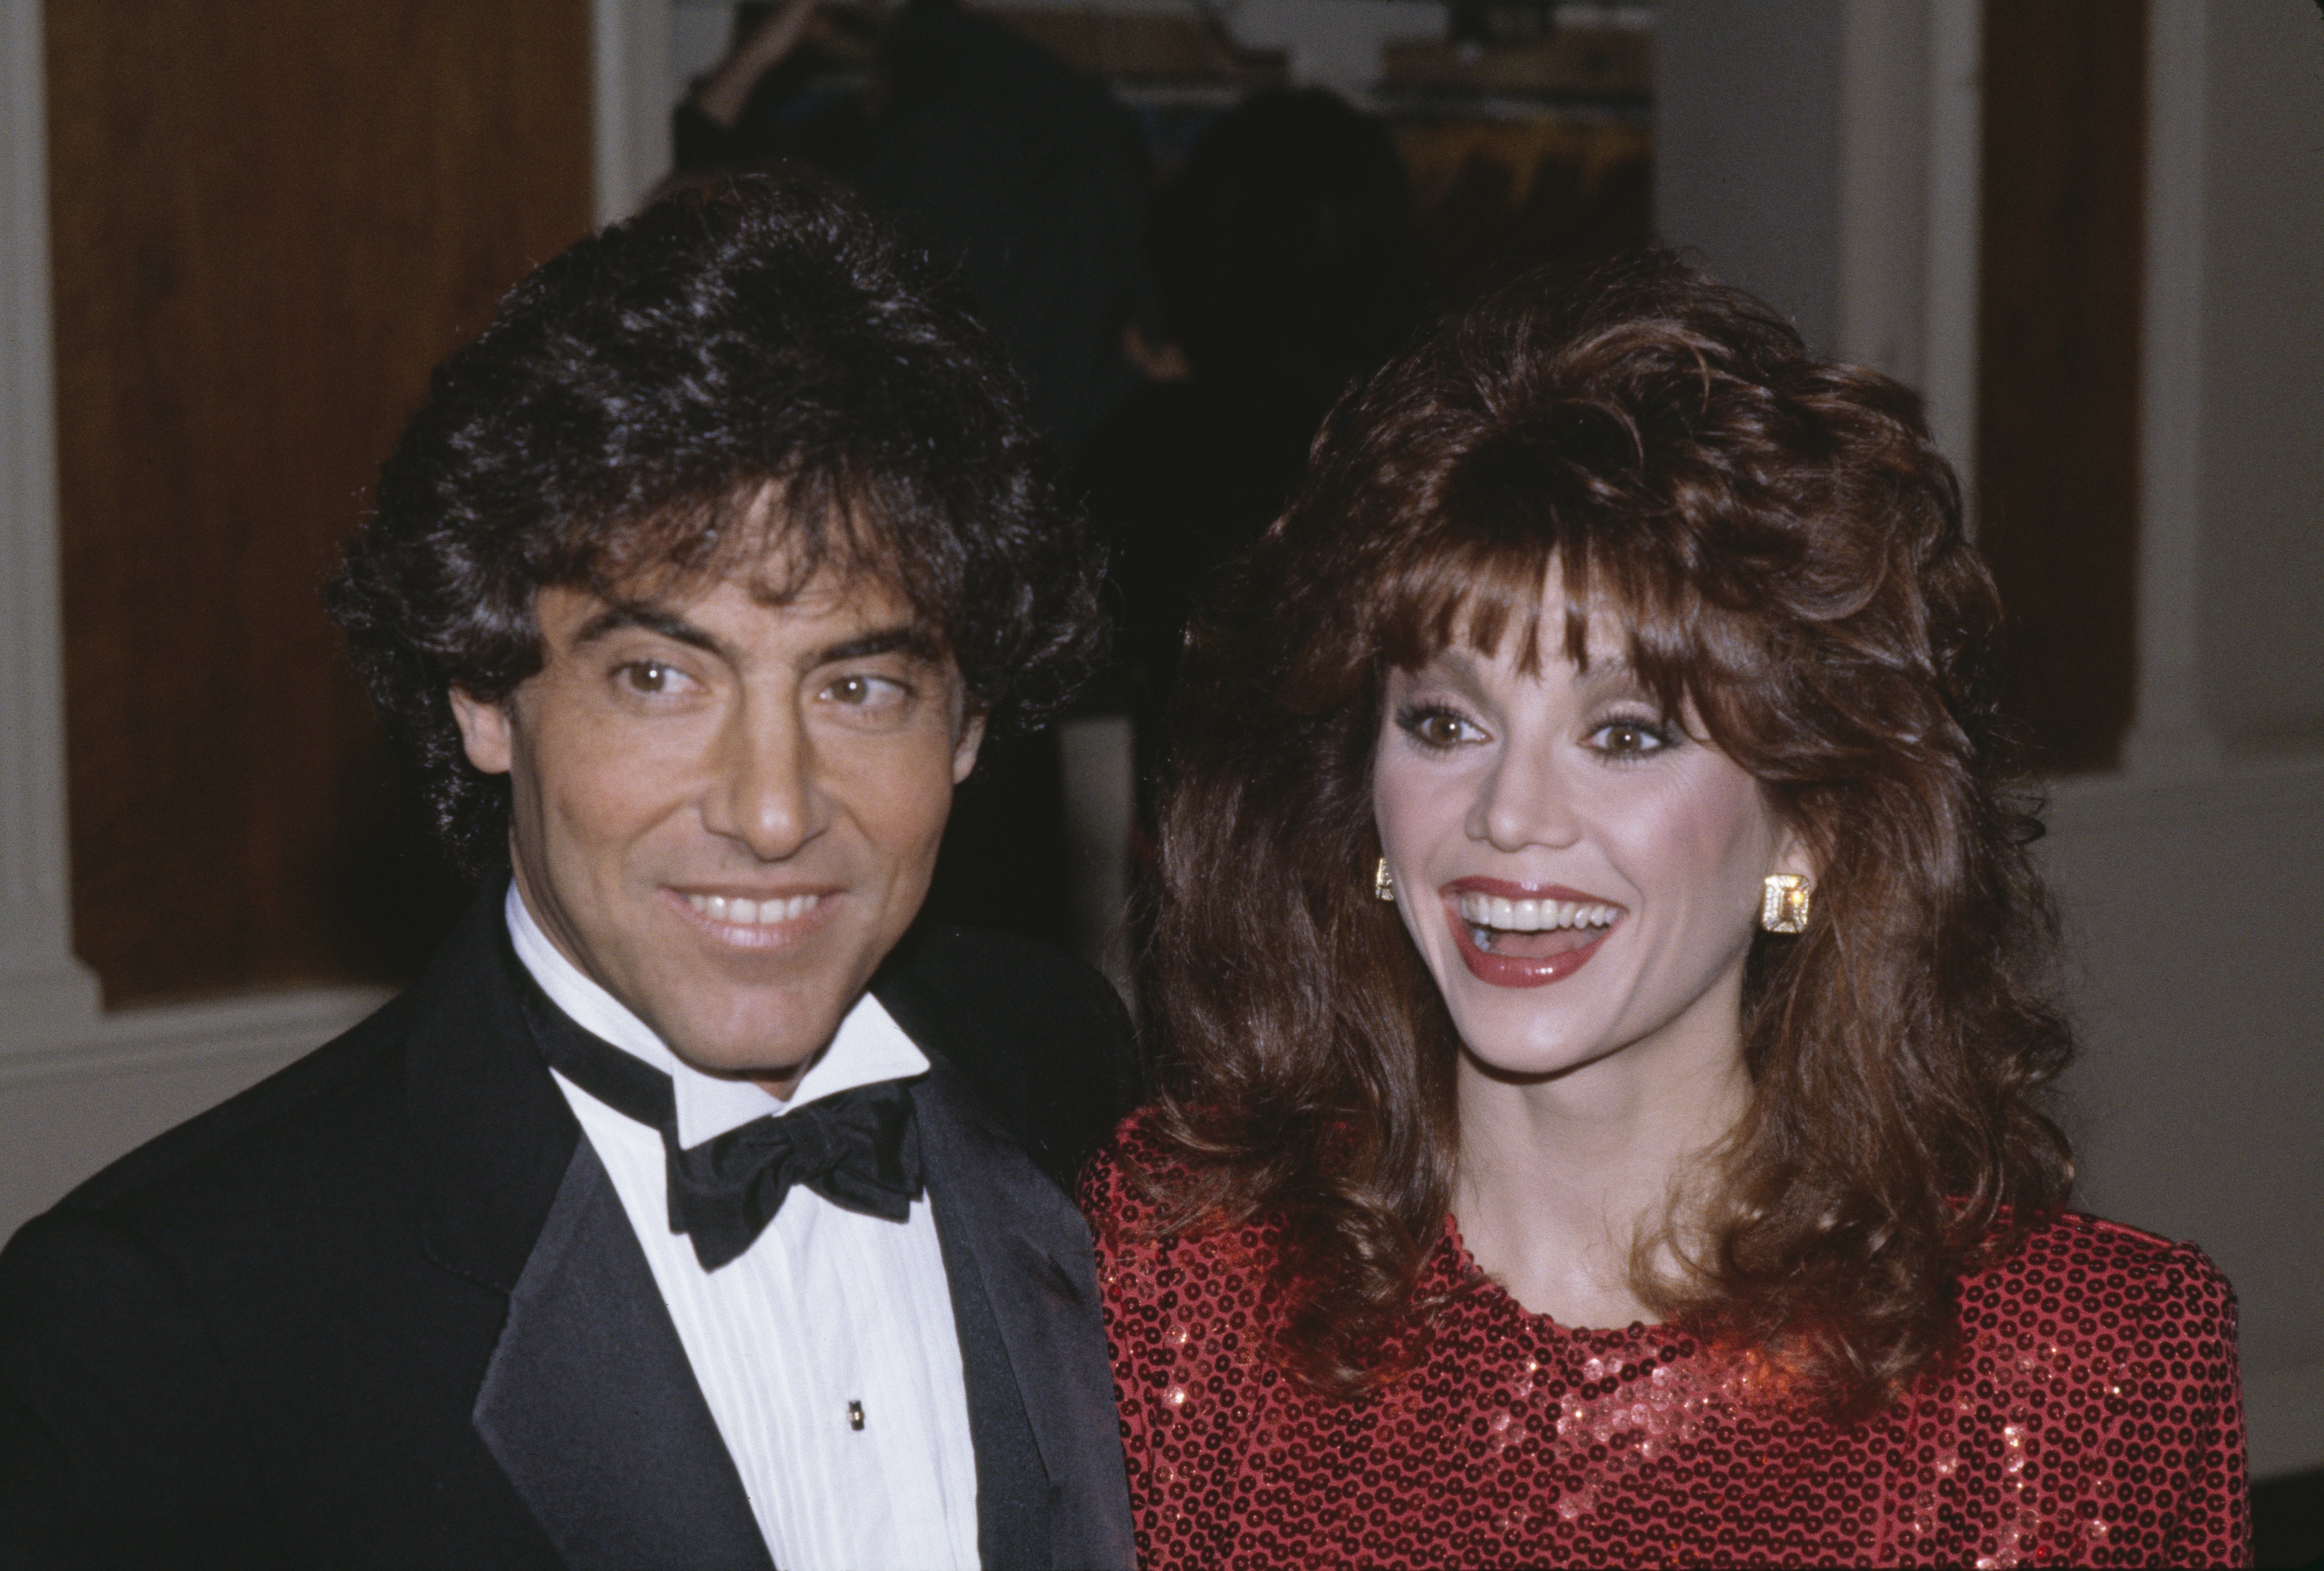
905, 637
676, 628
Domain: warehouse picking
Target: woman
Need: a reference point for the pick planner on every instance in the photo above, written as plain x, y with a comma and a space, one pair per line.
1601, 975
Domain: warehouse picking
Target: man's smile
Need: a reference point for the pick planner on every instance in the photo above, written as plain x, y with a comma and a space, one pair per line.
774, 919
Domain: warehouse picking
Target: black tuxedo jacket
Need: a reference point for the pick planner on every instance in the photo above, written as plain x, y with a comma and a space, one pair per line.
384, 1308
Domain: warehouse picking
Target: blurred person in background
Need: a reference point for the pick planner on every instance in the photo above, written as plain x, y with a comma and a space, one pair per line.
1284, 264
978, 143
1605, 1008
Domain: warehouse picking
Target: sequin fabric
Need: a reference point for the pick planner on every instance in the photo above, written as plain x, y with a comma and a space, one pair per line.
2092, 1419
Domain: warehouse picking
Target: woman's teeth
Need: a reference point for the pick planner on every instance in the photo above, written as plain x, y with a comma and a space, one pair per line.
1490, 911
752, 913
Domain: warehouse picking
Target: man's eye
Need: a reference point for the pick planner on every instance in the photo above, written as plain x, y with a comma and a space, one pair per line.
865, 692
648, 676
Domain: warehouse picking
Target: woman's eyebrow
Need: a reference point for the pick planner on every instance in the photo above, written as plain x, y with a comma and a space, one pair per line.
1451, 661
1610, 671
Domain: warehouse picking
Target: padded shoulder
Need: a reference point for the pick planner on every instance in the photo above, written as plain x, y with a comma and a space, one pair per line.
1041, 1037
2101, 1305
162, 1162
2096, 1268
118, 1422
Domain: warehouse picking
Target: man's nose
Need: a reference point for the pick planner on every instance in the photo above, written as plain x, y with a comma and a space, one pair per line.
763, 792
1523, 799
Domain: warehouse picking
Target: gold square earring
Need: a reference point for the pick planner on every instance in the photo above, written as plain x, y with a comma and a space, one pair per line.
1783, 906
1383, 882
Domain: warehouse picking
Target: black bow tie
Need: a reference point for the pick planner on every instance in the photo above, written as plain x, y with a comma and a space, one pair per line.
857, 1148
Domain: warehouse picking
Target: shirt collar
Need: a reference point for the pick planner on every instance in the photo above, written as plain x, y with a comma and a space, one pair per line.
869, 1046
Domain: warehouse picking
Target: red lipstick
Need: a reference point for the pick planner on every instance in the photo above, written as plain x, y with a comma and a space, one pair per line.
1504, 970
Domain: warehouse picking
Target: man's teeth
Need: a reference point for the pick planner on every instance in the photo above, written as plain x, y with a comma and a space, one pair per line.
1534, 915
752, 913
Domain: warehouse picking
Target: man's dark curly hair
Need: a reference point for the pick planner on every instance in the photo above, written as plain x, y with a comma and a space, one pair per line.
638, 394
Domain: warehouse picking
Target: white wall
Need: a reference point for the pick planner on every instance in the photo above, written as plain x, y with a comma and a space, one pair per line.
2194, 914
2262, 373
1748, 152
83, 1093
1823, 155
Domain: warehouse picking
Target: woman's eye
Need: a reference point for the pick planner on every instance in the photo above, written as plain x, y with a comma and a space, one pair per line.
1628, 739
1437, 728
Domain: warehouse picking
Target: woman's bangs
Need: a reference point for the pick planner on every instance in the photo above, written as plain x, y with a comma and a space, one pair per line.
1476, 586
1459, 588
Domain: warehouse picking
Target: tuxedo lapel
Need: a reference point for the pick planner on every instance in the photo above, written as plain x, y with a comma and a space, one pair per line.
588, 1403
591, 1408
493, 1137
1050, 1486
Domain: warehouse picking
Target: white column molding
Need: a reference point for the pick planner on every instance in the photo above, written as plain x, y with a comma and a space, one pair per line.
1098, 756
632, 94
2168, 737
47, 990
1955, 226
1912, 109
1883, 172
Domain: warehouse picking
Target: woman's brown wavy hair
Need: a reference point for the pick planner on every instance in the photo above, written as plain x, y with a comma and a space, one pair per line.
1783, 543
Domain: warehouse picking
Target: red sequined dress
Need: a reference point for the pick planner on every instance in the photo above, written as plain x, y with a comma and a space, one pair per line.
2094, 1419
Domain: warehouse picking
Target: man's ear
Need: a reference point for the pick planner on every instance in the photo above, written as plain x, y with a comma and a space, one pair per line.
964, 752
484, 732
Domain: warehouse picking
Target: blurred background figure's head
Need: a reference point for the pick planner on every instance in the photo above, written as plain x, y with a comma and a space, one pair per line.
1283, 252
1004, 160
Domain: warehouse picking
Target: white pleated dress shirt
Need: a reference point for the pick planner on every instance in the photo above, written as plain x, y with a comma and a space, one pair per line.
827, 1307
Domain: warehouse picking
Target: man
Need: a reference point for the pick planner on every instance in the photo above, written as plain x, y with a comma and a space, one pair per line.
689, 1212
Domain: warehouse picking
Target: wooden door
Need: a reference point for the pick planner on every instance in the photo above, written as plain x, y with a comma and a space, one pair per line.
271, 218
2058, 406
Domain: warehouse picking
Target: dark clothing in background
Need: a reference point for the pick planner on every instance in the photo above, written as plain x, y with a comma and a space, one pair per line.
384, 1308
990, 150
1283, 257
994, 154
1181, 479
699, 145
1005, 863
